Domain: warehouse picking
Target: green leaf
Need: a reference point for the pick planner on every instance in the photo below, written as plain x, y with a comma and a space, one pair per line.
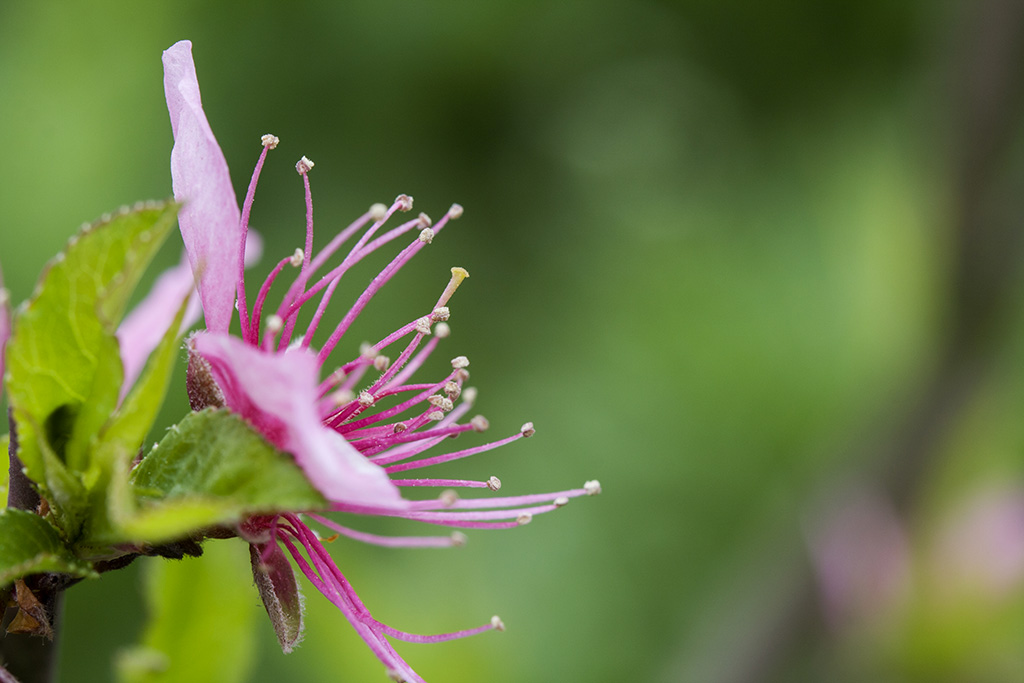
30, 545
211, 469
201, 618
64, 369
125, 431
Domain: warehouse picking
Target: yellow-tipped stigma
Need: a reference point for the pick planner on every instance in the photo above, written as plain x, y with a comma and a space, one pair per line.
458, 275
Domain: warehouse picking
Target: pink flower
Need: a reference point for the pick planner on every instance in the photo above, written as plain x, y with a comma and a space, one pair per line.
330, 419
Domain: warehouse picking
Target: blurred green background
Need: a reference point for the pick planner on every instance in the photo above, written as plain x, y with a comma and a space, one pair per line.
755, 266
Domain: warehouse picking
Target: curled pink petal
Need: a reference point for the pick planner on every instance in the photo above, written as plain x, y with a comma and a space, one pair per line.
277, 394
142, 329
209, 220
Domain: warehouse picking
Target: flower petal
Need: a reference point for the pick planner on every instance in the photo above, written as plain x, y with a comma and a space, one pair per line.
209, 220
144, 327
277, 394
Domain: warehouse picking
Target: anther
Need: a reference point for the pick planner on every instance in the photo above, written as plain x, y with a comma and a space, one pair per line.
561, 501
441, 313
527, 430
366, 399
297, 258
524, 519
497, 624
455, 212
442, 331
423, 325
460, 362
341, 397
399, 427
442, 402
304, 166
367, 350
404, 202
448, 498
462, 375
274, 324
469, 395
494, 483
425, 220
592, 487
270, 141
426, 235
378, 212
459, 539
435, 416
381, 363
479, 423
452, 390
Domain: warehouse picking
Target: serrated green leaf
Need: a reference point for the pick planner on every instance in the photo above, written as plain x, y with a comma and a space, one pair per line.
30, 545
64, 369
126, 430
211, 469
201, 620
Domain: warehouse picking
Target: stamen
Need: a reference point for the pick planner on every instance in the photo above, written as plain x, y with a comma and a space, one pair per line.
493, 483
442, 330
257, 309
425, 220
269, 143
426, 235
524, 519
393, 541
298, 258
304, 166
527, 429
404, 202
448, 457
479, 423
592, 487
455, 212
460, 362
